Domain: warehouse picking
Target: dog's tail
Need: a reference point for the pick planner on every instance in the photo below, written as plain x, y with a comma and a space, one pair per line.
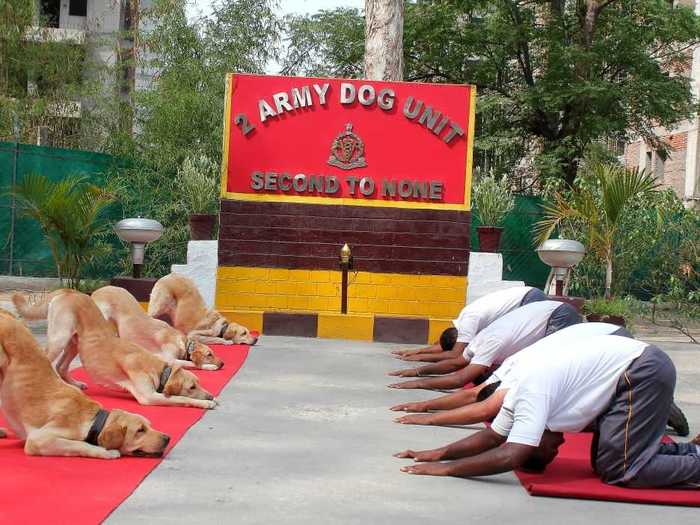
33, 310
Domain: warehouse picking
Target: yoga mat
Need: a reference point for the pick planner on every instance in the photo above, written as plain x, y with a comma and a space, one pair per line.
76, 491
570, 475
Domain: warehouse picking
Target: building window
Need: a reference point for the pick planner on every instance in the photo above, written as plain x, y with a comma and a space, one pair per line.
78, 8
49, 11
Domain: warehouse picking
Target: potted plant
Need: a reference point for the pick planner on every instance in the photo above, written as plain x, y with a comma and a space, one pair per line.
197, 181
600, 309
493, 200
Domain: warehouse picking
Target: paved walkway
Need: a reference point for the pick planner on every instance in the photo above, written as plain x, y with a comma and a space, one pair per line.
304, 436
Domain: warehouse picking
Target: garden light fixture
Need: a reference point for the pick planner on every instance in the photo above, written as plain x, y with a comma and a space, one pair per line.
561, 255
138, 232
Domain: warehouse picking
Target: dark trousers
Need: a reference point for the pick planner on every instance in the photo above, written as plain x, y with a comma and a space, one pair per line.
533, 296
627, 447
563, 316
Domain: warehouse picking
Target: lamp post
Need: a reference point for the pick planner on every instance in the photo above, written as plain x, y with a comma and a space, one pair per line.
138, 232
561, 255
345, 265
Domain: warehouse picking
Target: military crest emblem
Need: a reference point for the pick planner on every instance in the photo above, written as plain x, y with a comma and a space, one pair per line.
347, 150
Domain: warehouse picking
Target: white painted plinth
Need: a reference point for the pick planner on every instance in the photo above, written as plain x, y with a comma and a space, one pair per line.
486, 275
201, 267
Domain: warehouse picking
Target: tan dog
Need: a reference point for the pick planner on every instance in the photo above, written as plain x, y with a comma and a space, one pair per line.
175, 298
56, 419
156, 336
76, 327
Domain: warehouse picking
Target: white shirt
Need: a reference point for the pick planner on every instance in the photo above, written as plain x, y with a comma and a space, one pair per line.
511, 333
508, 374
570, 391
478, 315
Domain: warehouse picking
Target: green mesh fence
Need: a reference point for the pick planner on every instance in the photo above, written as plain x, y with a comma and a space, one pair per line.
23, 250
520, 261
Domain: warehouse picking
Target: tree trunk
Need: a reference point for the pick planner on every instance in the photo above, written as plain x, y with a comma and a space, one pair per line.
608, 277
384, 39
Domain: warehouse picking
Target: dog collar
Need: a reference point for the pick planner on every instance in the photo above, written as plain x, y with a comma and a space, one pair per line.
223, 329
164, 376
189, 348
97, 425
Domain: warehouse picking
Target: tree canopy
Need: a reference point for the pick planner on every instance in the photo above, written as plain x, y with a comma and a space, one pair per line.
553, 76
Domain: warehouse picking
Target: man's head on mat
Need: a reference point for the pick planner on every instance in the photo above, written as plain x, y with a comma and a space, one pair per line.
448, 339
545, 453
487, 391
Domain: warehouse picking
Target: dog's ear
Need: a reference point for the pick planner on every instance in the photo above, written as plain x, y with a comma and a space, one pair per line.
113, 434
173, 385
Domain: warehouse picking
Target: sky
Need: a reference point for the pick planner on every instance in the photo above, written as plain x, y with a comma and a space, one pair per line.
286, 6
203, 7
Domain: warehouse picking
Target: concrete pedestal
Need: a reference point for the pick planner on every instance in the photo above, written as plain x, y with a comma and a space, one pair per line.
486, 275
201, 267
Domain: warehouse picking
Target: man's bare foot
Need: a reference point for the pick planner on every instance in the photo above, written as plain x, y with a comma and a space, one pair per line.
406, 372
3, 433
420, 455
427, 469
415, 419
410, 407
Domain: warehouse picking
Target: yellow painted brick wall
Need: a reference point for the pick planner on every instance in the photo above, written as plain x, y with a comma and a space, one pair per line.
274, 289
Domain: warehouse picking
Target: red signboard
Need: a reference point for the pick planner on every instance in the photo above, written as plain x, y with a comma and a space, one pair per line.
352, 142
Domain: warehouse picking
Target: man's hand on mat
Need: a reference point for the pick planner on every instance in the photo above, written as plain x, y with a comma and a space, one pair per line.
406, 352
405, 384
415, 419
427, 469
416, 357
411, 407
406, 372
421, 455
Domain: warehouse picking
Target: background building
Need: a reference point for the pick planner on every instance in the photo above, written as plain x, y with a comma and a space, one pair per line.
680, 169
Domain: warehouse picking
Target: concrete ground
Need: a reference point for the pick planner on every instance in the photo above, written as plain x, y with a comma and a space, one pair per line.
303, 435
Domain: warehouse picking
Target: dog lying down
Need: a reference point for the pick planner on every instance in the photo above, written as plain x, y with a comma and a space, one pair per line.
56, 419
156, 336
76, 327
175, 299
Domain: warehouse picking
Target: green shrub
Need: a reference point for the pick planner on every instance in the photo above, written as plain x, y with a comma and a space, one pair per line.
493, 200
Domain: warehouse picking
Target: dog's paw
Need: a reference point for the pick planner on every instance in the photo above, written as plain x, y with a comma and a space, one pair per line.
211, 405
210, 367
79, 384
112, 454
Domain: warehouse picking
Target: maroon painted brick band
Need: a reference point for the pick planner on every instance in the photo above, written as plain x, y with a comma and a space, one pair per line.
298, 325
309, 236
407, 330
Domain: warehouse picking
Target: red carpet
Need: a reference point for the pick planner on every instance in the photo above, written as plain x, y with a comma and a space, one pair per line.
571, 476
79, 491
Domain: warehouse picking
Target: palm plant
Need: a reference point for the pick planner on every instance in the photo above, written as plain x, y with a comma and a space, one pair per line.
70, 215
597, 209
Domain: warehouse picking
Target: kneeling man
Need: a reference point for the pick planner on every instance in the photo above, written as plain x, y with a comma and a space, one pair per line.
501, 339
622, 386
482, 403
471, 320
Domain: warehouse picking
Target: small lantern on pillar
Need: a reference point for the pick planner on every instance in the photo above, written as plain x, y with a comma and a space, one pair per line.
345, 265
